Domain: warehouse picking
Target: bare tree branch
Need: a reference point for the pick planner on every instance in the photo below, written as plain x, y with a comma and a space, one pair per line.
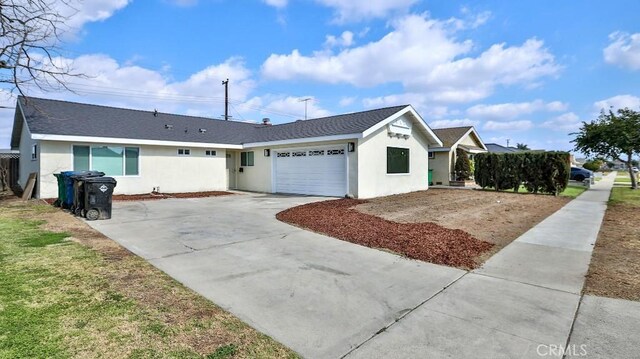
31, 32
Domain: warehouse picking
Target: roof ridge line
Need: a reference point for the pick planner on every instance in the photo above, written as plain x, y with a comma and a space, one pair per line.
130, 109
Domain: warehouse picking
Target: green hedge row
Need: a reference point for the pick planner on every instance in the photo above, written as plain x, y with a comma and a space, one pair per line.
539, 172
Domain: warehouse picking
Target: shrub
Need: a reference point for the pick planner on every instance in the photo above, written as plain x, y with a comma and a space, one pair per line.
539, 172
592, 165
463, 166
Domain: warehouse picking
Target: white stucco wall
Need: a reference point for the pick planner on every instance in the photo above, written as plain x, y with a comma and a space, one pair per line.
373, 180
159, 166
28, 165
258, 178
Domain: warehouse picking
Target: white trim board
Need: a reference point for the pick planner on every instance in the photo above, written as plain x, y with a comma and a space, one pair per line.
129, 141
419, 120
352, 136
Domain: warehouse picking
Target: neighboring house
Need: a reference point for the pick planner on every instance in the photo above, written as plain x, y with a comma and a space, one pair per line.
442, 159
364, 154
496, 148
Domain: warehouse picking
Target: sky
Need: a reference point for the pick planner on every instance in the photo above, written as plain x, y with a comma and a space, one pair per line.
519, 71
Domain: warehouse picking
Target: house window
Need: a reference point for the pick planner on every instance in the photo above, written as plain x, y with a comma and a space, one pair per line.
432, 155
184, 152
34, 152
210, 153
246, 158
112, 160
397, 160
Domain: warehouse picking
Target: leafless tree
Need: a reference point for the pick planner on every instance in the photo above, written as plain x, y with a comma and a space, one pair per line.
30, 35
4, 174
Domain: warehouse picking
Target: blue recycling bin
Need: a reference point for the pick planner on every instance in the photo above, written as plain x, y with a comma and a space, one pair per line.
68, 186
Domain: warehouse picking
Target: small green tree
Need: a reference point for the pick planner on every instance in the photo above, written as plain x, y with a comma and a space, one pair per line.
612, 135
522, 147
593, 165
610, 164
463, 166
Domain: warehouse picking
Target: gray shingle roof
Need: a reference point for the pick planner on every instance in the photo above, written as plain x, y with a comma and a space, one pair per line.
76, 119
450, 135
496, 148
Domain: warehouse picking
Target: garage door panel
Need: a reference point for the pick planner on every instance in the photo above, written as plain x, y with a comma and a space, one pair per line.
311, 171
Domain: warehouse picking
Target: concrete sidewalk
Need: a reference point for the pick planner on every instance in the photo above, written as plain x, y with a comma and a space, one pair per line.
519, 304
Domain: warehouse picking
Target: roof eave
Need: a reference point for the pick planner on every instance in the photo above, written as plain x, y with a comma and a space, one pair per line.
351, 136
434, 140
131, 141
18, 122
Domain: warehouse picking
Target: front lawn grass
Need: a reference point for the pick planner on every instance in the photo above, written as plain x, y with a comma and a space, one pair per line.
625, 195
76, 294
573, 191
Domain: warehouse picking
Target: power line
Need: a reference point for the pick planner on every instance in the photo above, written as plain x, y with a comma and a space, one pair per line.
119, 92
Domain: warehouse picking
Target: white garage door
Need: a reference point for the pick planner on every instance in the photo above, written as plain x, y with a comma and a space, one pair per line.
311, 171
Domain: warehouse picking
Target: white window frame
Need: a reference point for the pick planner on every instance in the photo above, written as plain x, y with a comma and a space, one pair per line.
431, 155
408, 173
185, 152
34, 152
210, 153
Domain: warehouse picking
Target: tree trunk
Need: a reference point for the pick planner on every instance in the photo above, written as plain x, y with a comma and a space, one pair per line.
634, 179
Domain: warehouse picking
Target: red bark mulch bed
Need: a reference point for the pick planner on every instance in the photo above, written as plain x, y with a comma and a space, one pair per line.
423, 241
152, 196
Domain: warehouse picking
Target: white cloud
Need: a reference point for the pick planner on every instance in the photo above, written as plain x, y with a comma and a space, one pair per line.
295, 105
512, 110
344, 40
522, 125
82, 12
276, 3
425, 57
426, 108
346, 101
453, 123
355, 10
624, 50
617, 102
566, 122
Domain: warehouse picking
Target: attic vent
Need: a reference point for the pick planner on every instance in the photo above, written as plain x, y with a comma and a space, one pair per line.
202, 130
168, 127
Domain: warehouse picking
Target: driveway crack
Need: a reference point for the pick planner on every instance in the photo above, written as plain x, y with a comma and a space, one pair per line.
403, 314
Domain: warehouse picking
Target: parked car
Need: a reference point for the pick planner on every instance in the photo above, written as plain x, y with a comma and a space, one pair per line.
579, 174
634, 169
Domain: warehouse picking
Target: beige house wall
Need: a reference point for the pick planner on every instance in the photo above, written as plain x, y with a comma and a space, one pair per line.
372, 165
27, 165
441, 166
159, 166
258, 178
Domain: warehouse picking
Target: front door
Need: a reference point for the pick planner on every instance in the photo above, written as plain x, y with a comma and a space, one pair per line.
231, 170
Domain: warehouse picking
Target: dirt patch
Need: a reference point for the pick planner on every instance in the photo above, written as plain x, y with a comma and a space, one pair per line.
154, 196
495, 217
424, 241
615, 266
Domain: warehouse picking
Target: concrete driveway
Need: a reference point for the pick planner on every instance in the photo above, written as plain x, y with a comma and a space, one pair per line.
320, 296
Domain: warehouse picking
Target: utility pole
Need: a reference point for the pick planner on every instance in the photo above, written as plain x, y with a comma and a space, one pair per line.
226, 99
508, 139
306, 101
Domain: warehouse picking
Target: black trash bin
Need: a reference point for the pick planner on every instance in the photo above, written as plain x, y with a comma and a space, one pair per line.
77, 205
98, 192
